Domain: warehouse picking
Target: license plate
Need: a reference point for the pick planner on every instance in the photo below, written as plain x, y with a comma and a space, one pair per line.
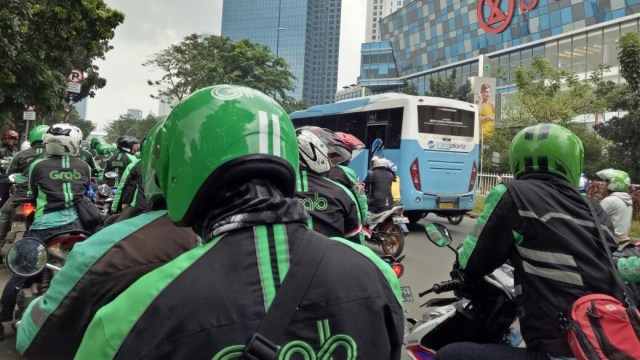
400, 220
445, 205
404, 227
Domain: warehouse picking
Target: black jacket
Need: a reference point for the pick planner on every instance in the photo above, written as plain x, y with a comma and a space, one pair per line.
208, 302
20, 166
117, 163
96, 272
58, 182
333, 209
545, 227
378, 187
88, 158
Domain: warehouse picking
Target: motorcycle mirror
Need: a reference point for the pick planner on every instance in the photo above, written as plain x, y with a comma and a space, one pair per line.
111, 175
438, 234
27, 257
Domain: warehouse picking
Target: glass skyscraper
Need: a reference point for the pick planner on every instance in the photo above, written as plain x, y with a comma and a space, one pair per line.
306, 33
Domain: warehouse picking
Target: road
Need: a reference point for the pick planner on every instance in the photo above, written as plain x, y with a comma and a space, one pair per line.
425, 264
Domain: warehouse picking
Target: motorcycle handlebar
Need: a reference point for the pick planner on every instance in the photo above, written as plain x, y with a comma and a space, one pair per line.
444, 286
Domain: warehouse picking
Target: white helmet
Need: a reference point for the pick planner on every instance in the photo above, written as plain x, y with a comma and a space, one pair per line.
377, 162
62, 139
314, 154
25, 145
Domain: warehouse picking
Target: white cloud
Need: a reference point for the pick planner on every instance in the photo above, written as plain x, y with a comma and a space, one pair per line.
152, 25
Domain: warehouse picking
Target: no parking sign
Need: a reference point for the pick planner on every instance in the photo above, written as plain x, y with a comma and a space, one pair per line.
75, 81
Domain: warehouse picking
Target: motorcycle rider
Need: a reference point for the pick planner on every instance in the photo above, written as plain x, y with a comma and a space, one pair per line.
618, 204
9, 144
347, 176
97, 270
333, 208
57, 183
93, 144
236, 189
130, 200
544, 226
118, 162
20, 166
378, 185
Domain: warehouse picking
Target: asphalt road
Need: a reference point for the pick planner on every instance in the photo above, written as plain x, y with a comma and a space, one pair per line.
425, 264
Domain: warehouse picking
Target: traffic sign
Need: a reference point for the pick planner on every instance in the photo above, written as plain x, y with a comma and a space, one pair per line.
29, 113
76, 76
75, 81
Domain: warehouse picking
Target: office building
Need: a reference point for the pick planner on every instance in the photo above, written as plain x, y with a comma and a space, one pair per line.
306, 33
431, 38
81, 108
134, 114
376, 10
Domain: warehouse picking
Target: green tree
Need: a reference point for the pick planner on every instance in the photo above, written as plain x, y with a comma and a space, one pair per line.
409, 88
197, 62
290, 104
447, 88
624, 131
42, 40
125, 125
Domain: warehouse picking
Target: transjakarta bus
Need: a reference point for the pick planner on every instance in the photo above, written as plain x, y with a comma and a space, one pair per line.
433, 141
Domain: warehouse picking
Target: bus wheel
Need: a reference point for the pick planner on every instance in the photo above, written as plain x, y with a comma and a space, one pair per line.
455, 219
413, 216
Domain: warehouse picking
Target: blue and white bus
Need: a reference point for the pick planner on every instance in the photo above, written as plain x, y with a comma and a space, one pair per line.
433, 141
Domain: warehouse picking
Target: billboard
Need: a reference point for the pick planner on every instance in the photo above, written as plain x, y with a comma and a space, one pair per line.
485, 97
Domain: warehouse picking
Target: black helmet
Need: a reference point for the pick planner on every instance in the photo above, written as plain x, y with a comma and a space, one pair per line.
128, 144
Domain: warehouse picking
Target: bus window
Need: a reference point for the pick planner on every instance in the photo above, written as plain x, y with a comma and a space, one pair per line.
375, 132
445, 121
394, 128
353, 123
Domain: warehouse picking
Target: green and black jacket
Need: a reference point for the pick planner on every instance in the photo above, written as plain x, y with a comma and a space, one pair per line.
131, 190
208, 302
117, 163
58, 182
333, 208
544, 226
88, 158
20, 166
97, 271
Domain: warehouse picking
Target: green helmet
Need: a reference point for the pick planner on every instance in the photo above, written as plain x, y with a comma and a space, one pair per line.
37, 133
547, 149
218, 137
151, 188
95, 142
617, 180
102, 149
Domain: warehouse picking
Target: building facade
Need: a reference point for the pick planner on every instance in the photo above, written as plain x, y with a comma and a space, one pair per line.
134, 114
431, 38
376, 10
306, 33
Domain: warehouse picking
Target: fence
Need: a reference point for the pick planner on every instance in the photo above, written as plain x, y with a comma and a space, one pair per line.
487, 181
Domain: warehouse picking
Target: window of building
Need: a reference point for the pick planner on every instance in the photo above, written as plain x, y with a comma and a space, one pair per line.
564, 54
628, 27
610, 42
579, 55
551, 52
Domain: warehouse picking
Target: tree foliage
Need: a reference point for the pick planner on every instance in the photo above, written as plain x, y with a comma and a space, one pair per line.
41, 41
125, 125
197, 62
447, 88
624, 131
290, 104
409, 88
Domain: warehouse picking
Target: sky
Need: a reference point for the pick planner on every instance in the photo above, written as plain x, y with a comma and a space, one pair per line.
153, 25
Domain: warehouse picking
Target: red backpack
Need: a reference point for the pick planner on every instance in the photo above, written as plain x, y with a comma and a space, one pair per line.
599, 325
602, 328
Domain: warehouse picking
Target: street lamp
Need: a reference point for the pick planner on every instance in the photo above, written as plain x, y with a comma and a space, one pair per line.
280, 28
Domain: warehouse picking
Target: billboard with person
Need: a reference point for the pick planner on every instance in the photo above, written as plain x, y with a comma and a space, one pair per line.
485, 97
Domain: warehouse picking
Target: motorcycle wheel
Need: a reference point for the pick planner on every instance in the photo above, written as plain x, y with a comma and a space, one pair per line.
455, 219
397, 240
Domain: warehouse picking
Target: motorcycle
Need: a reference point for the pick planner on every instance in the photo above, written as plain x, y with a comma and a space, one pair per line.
387, 229
395, 263
482, 311
39, 261
22, 216
103, 199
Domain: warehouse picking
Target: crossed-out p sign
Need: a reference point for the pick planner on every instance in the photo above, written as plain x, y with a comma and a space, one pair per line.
499, 18
75, 80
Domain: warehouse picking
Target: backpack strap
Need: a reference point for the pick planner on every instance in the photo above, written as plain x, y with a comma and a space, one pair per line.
622, 286
263, 344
